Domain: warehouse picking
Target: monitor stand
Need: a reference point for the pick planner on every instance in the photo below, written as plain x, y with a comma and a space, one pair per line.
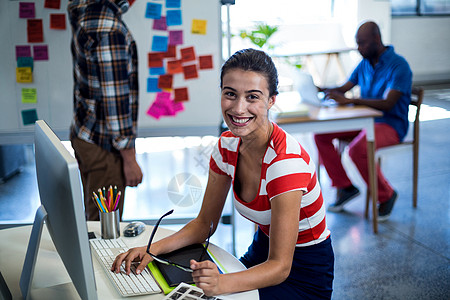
33, 247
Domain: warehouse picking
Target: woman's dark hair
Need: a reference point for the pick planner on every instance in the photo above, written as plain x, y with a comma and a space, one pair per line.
256, 61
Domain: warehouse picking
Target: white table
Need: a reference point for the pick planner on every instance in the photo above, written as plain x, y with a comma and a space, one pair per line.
336, 119
51, 280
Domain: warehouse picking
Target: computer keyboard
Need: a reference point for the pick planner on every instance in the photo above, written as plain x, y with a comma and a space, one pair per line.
127, 285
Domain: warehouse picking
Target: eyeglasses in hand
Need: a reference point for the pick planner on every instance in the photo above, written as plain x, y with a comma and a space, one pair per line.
167, 261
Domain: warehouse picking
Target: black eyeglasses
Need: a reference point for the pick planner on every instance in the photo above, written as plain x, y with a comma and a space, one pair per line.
167, 261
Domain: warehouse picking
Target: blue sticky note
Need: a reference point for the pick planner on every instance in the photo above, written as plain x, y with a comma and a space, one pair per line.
25, 62
159, 43
173, 17
29, 116
173, 3
157, 71
153, 11
152, 85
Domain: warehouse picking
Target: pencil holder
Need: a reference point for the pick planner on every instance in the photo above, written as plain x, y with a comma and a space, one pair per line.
109, 223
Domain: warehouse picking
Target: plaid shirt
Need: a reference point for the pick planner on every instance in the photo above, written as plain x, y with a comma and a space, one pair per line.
105, 75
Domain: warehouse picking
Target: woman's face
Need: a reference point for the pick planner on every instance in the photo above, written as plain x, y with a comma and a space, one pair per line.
245, 102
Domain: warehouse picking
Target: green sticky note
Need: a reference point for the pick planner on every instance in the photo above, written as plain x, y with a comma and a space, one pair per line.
29, 95
25, 62
29, 116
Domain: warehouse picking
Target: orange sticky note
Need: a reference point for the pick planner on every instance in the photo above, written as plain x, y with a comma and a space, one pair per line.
57, 21
181, 94
35, 31
174, 67
187, 54
155, 59
165, 81
171, 52
55, 4
205, 62
190, 72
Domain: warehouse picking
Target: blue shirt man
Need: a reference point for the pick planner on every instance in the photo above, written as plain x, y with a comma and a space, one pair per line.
392, 72
385, 80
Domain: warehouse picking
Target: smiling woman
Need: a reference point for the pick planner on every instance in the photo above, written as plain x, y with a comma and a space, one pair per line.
274, 185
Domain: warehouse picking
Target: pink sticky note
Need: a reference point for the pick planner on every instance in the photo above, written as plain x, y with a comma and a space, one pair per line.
160, 24
23, 51
155, 110
40, 52
176, 37
177, 106
26, 10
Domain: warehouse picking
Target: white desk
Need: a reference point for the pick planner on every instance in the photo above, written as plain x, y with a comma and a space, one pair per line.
336, 119
51, 280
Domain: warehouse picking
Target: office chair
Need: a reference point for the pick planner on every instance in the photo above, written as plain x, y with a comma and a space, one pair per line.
408, 144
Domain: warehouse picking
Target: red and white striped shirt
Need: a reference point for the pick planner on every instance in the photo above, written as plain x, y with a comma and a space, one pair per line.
286, 167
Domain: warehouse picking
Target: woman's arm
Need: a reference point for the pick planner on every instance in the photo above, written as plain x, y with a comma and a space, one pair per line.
195, 231
283, 238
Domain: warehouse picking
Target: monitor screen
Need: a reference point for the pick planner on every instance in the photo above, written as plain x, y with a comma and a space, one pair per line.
62, 203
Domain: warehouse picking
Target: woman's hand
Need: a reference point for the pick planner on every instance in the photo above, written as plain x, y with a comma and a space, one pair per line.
138, 254
206, 276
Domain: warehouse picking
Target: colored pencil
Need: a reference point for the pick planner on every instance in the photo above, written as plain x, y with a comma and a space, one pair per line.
117, 200
97, 201
102, 201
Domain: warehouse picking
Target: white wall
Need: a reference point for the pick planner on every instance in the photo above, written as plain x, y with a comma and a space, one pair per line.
425, 43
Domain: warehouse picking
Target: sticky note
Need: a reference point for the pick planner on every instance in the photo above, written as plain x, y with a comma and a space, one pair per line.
29, 116
198, 26
24, 75
171, 51
177, 106
160, 24
157, 71
176, 37
58, 21
29, 95
152, 85
181, 94
25, 62
153, 10
27, 10
173, 17
173, 3
159, 43
161, 106
55, 4
40, 52
187, 54
205, 62
190, 72
165, 81
174, 67
155, 59
35, 31
23, 51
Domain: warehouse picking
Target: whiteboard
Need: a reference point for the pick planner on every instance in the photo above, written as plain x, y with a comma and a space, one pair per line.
53, 80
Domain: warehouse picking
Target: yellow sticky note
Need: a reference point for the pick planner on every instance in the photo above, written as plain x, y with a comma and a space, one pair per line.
24, 75
29, 95
198, 26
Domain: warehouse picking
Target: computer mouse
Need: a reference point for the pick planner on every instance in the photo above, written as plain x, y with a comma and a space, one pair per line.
134, 228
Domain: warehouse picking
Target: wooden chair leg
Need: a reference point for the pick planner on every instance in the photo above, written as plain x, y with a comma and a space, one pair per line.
366, 211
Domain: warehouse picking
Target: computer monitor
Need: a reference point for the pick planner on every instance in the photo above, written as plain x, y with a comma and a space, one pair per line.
63, 212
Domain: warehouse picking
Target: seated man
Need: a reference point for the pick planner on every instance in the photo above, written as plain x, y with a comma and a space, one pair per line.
385, 80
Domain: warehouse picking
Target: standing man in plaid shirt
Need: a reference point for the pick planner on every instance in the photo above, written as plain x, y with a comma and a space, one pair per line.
103, 130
